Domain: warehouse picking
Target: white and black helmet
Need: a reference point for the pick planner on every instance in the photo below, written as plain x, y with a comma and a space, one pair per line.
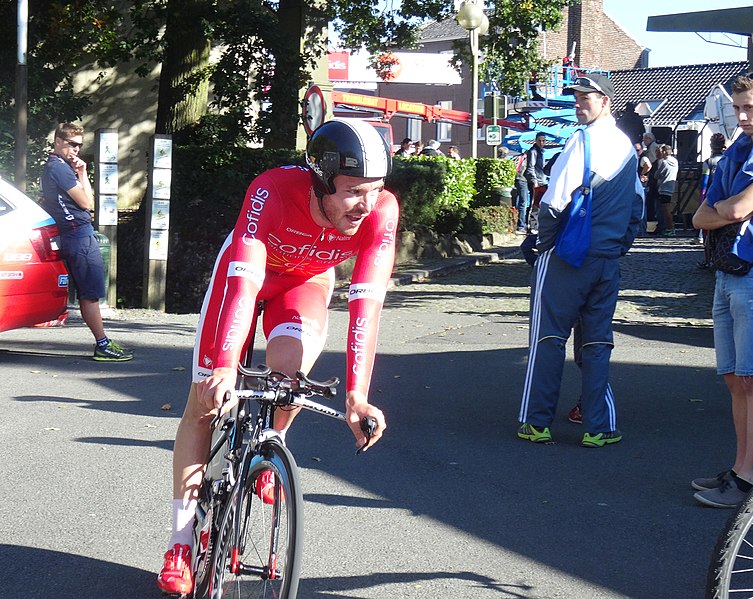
352, 148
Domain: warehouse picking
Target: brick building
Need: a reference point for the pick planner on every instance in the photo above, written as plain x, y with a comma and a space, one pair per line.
600, 43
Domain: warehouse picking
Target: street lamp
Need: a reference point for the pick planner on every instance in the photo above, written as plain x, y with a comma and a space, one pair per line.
471, 17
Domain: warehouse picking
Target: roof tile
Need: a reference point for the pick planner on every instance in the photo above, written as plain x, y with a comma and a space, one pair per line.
684, 87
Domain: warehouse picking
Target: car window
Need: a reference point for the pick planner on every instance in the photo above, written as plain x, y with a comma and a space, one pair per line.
5, 207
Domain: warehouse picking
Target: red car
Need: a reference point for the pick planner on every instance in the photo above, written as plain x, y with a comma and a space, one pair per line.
33, 278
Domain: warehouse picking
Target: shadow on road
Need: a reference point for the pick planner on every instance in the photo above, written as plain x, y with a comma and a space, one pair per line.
616, 517
34, 573
337, 587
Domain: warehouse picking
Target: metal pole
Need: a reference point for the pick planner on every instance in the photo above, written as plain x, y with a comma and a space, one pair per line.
495, 120
474, 94
21, 96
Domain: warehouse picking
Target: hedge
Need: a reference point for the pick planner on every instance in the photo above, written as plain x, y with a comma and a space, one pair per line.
435, 193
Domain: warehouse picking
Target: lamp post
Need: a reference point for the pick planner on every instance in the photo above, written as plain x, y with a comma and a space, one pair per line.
471, 17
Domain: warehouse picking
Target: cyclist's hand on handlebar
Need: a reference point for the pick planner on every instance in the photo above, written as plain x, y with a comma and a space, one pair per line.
356, 409
211, 391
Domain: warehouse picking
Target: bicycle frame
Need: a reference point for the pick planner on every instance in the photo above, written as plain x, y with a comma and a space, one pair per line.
251, 446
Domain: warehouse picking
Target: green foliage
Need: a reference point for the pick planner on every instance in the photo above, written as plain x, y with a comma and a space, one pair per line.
63, 36
490, 219
268, 52
511, 48
432, 190
491, 175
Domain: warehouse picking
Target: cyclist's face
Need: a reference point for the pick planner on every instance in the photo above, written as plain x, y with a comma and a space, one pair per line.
352, 202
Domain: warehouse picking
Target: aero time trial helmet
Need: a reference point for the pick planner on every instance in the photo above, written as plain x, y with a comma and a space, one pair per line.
352, 148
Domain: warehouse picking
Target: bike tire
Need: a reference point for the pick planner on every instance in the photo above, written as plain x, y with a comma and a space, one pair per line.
731, 569
251, 526
204, 550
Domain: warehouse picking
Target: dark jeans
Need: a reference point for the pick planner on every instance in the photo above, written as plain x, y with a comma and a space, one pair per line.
522, 202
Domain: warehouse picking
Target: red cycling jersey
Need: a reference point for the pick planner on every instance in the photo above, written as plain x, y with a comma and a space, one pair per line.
277, 246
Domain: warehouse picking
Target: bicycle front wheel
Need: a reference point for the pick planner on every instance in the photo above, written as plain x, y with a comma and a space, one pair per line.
731, 570
260, 544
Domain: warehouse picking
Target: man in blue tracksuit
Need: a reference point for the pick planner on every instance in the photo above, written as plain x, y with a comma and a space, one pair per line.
561, 293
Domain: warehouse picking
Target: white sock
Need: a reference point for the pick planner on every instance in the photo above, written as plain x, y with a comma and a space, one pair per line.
184, 511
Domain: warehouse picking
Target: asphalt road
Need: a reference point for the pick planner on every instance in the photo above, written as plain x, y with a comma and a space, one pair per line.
450, 504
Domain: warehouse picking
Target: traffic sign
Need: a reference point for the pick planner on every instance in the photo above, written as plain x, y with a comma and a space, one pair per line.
493, 135
314, 109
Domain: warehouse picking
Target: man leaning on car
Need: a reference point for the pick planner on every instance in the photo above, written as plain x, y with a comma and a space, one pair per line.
69, 199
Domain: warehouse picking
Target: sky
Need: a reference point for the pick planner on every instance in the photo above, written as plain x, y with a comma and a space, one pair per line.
670, 49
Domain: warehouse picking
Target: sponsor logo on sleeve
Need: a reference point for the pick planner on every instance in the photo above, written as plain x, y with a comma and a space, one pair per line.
384, 251
247, 271
256, 203
239, 324
62, 280
366, 291
358, 337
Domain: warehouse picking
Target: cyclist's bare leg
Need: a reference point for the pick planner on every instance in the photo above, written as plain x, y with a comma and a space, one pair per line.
191, 448
289, 354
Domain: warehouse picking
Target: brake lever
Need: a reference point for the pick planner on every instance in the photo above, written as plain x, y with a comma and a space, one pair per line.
368, 426
219, 415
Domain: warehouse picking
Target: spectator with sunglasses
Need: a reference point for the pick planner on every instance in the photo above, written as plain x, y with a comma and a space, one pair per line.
69, 199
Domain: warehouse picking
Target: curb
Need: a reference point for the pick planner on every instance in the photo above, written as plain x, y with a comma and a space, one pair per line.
417, 274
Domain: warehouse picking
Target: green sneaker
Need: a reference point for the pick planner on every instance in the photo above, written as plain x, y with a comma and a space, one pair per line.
531, 433
601, 439
112, 352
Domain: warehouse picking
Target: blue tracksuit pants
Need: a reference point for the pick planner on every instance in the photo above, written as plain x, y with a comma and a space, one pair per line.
560, 295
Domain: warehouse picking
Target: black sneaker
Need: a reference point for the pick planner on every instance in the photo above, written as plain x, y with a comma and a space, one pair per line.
704, 484
112, 352
727, 495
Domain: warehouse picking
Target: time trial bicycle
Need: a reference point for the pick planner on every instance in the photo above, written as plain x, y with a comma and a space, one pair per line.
249, 546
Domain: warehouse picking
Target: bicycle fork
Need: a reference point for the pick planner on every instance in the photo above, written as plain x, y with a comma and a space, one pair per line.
236, 566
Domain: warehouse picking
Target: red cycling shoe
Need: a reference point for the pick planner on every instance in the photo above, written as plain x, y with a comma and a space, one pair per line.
265, 487
176, 577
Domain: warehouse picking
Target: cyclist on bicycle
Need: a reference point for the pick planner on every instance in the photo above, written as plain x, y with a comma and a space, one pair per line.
295, 225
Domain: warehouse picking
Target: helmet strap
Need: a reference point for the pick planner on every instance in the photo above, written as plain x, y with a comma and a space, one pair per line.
319, 193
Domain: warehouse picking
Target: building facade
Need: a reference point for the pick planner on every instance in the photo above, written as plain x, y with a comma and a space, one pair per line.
597, 41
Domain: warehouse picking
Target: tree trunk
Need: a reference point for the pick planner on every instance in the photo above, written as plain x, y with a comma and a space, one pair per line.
183, 86
288, 76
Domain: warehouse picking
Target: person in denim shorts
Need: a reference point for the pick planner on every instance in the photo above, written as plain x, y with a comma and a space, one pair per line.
69, 199
730, 200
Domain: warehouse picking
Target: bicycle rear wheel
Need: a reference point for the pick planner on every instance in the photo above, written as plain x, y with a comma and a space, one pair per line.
262, 542
731, 570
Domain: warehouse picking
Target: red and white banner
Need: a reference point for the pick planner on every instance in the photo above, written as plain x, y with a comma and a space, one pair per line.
404, 67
